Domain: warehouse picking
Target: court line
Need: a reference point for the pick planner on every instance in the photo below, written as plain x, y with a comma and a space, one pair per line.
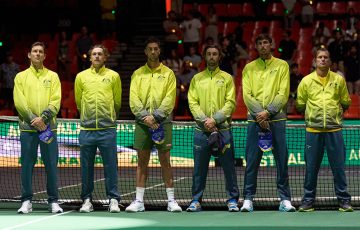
37, 220
157, 185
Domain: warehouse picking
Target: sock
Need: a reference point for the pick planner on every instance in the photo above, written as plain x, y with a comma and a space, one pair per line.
140, 194
170, 193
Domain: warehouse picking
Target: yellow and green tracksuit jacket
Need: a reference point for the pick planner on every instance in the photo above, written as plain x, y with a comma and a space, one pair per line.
212, 94
266, 86
153, 92
323, 104
98, 98
37, 93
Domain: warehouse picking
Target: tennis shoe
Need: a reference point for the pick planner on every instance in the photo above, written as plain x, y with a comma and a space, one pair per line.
136, 206
114, 206
247, 206
173, 206
195, 206
285, 206
233, 206
55, 208
306, 206
26, 207
87, 206
345, 206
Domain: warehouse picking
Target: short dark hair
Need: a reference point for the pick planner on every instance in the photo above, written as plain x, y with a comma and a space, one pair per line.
263, 37
105, 50
221, 55
152, 39
38, 43
321, 48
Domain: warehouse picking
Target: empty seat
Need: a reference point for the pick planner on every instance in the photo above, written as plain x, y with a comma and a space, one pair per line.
275, 8
204, 9
339, 7
248, 9
323, 8
355, 5
221, 9
234, 9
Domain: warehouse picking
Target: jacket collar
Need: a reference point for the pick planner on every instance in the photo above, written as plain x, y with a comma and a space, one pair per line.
93, 70
157, 69
212, 73
37, 72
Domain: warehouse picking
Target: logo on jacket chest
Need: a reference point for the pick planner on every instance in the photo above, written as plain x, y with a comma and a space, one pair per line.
47, 83
106, 80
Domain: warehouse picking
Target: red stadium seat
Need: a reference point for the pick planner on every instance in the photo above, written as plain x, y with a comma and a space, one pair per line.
275, 9
323, 8
221, 9
339, 7
248, 9
234, 9
204, 9
355, 5
186, 8
241, 110
353, 112
230, 27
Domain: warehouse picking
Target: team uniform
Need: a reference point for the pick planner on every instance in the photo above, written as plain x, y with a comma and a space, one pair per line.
37, 94
323, 100
266, 85
212, 95
98, 99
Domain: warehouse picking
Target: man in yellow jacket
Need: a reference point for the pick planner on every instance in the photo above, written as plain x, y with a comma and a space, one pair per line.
37, 96
212, 101
98, 99
323, 96
152, 99
266, 85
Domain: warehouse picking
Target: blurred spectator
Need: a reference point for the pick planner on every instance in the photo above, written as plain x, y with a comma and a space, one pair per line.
287, 48
242, 54
8, 71
307, 13
337, 49
352, 70
108, 19
83, 45
192, 32
174, 62
289, 14
172, 31
322, 32
335, 68
193, 58
295, 78
183, 83
63, 56
229, 53
208, 41
211, 24
351, 22
196, 13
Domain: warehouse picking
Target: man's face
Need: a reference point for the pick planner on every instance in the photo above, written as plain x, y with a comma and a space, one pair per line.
323, 60
263, 47
212, 57
37, 55
152, 51
97, 57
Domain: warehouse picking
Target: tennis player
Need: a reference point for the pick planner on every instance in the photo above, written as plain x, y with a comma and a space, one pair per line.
212, 101
98, 99
266, 85
152, 99
37, 96
323, 96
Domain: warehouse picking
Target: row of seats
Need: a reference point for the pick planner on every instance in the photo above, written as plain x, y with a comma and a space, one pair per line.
274, 8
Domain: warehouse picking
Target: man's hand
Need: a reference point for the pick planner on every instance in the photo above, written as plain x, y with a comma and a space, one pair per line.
262, 116
38, 124
264, 124
150, 122
210, 124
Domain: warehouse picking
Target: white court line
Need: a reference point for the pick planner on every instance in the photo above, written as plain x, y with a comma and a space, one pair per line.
37, 220
68, 186
157, 185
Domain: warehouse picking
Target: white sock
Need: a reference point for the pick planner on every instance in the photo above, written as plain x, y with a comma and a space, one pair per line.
170, 193
140, 194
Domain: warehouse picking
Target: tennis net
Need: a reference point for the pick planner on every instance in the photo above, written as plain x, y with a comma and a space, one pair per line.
69, 180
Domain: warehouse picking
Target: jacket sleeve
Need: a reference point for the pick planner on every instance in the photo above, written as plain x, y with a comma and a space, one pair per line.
251, 103
301, 97
20, 100
345, 99
168, 103
55, 100
225, 112
117, 91
282, 96
78, 89
194, 104
136, 106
